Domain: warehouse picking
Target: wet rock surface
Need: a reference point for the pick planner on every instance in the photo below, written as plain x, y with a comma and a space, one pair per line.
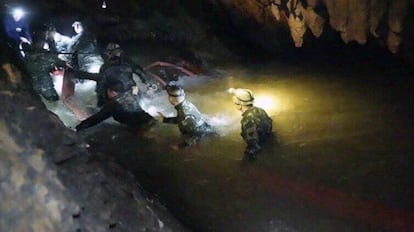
50, 182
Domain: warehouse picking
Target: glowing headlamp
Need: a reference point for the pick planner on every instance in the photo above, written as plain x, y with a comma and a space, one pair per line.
18, 13
267, 101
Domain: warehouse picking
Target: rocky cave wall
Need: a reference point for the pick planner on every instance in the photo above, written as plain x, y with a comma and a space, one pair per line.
268, 23
355, 20
49, 181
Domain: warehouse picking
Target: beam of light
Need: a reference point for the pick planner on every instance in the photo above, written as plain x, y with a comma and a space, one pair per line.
103, 5
46, 46
58, 82
268, 102
18, 13
61, 38
95, 67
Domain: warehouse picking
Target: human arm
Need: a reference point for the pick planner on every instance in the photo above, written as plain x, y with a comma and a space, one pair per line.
169, 120
95, 119
138, 70
25, 36
87, 75
251, 137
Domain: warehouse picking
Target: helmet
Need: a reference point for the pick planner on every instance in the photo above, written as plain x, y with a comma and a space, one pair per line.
175, 91
112, 47
112, 50
76, 24
242, 97
77, 27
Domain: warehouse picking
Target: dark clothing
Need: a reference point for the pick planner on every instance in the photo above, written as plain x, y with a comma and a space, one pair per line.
5, 53
256, 127
125, 109
136, 68
14, 30
114, 69
190, 123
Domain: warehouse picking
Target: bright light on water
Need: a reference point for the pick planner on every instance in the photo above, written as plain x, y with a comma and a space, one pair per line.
58, 83
269, 103
94, 68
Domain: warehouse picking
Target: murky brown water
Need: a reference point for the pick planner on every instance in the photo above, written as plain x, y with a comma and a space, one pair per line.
343, 163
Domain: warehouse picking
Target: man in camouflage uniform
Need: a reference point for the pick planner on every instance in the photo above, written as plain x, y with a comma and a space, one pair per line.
123, 106
256, 125
39, 64
190, 121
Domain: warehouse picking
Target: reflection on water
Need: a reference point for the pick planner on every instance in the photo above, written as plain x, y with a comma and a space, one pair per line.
336, 140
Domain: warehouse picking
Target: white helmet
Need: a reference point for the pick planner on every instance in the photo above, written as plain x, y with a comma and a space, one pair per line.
242, 97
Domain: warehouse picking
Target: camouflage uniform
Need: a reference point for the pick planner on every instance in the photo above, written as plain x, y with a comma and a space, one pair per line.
256, 127
190, 123
39, 63
124, 108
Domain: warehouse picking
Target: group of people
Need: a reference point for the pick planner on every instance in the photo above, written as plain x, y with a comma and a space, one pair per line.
116, 90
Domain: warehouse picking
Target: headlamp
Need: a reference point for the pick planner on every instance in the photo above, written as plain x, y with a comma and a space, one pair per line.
18, 13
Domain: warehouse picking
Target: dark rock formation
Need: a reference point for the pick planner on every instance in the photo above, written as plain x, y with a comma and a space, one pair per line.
50, 182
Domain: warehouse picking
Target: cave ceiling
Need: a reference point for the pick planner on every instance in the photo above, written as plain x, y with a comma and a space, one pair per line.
359, 21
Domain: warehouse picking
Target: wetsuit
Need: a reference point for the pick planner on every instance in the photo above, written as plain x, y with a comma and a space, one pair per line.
113, 69
124, 108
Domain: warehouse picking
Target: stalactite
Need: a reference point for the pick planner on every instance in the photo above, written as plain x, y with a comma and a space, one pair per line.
396, 16
376, 13
313, 3
356, 20
313, 21
296, 21
338, 11
275, 11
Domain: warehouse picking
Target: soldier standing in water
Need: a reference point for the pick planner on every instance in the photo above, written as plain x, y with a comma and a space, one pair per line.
256, 125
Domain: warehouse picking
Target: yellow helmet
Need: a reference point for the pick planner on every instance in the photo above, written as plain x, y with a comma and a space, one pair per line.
242, 97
